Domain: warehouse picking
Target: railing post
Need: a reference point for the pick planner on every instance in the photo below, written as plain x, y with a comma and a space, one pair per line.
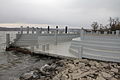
37, 30
21, 29
48, 29
47, 46
82, 34
56, 32
32, 30
32, 48
40, 31
117, 32
105, 32
113, 32
80, 52
91, 32
66, 29
97, 32
18, 32
37, 46
17, 36
43, 47
27, 29
7, 40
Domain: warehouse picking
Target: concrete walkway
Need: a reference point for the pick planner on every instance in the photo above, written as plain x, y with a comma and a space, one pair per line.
59, 49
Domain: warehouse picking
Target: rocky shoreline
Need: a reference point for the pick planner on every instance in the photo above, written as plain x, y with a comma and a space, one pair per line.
74, 69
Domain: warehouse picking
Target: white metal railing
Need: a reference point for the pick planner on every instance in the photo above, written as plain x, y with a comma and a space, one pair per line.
97, 46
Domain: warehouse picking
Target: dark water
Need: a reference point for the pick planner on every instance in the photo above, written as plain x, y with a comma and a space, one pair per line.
12, 64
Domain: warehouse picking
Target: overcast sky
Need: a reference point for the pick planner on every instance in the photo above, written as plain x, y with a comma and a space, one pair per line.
58, 12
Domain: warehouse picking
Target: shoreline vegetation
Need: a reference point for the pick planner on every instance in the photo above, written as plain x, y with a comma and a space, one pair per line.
72, 69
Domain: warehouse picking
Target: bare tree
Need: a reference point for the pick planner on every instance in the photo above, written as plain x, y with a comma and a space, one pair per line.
114, 24
95, 26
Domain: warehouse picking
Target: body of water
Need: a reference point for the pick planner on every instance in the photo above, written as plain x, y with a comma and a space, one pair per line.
12, 64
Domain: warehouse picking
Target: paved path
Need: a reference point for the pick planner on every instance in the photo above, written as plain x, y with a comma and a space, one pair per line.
59, 49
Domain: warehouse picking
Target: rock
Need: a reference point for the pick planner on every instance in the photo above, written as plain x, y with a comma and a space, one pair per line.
64, 77
83, 79
113, 78
46, 69
16, 79
30, 75
84, 60
75, 75
79, 75
95, 63
89, 78
76, 61
118, 66
114, 70
104, 64
27, 76
61, 63
93, 67
113, 65
100, 78
70, 71
81, 65
88, 68
71, 66
106, 75
92, 63
98, 65
111, 73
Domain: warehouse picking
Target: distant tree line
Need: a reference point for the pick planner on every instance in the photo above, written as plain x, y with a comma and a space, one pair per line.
114, 24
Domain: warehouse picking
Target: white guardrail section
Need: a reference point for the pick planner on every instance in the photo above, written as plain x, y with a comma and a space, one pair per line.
104, 47
40, 37
33, 39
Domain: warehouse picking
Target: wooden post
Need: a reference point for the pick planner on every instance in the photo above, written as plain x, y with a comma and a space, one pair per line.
66, 29
27, 29
48, 29
32, 30
56, 32
57, 29
7, 40
21, 29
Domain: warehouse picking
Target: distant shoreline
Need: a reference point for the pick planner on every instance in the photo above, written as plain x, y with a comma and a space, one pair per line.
9, 29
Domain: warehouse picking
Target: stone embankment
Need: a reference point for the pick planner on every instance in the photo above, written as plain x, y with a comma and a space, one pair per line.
74, 69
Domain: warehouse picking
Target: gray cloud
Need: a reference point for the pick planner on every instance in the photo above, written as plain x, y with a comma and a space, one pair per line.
64, 12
